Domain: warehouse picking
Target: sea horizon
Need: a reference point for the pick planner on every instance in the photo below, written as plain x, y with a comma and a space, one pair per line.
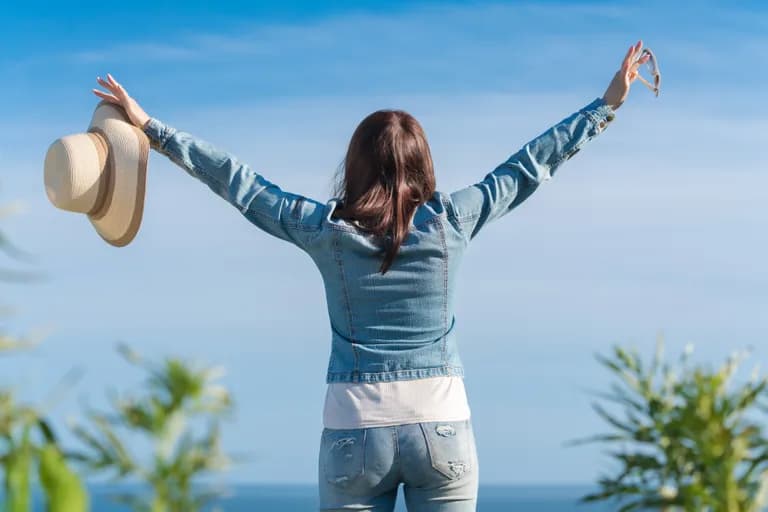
296, 497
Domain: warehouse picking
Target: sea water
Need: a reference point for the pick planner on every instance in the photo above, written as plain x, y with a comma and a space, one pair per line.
303, 498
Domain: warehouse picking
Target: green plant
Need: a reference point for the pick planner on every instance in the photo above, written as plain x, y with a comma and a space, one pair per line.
687, 439
21, 424
17, 465
176, 396
63, 488
26, 441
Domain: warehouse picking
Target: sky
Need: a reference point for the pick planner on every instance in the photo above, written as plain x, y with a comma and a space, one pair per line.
656, 228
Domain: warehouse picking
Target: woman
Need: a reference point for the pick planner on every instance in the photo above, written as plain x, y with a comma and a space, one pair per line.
388, 246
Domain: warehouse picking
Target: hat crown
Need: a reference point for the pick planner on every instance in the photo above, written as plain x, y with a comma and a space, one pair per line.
74, 166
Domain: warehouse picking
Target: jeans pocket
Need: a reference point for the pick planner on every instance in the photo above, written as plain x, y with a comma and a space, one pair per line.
343, 455
450, 447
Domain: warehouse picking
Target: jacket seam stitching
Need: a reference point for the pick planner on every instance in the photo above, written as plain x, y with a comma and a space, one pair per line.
450, 214
340, 265
445, 288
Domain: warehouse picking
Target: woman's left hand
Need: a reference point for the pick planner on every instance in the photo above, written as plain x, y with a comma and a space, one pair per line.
120, 97
618, 89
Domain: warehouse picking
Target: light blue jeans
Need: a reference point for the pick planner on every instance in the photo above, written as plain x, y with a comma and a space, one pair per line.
361, 469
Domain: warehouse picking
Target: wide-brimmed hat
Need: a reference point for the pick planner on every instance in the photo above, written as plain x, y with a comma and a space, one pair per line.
101, 173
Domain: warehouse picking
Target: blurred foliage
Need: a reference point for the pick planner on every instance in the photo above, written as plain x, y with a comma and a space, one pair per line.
64, 490
687, 441
16, 457
26, 439
176, 394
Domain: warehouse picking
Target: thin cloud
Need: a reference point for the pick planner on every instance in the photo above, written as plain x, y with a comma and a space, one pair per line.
361, 31
142, 50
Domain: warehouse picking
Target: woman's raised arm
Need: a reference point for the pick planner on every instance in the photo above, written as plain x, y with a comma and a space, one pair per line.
291, 217
515, 179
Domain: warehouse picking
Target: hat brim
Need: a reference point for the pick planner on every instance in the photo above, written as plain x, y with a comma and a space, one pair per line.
118, 218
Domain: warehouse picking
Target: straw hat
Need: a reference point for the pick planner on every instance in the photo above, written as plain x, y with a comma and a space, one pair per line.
101, 173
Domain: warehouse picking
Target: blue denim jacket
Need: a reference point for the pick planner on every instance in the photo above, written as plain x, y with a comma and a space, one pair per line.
398, 325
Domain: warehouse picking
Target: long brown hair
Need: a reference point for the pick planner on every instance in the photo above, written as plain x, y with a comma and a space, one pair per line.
387, 174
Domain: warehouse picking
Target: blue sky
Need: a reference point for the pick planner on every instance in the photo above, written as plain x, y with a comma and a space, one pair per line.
656, 227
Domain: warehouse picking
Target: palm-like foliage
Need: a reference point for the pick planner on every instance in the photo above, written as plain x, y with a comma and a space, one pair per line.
177, 395
687, 440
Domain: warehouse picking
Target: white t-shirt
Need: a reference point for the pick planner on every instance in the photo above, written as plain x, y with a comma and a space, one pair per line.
378, 404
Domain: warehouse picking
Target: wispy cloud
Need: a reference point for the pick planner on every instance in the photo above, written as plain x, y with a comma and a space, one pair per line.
354, 30
138, 50
448, 26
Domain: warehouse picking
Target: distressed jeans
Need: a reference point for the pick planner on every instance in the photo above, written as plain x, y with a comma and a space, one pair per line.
361, 469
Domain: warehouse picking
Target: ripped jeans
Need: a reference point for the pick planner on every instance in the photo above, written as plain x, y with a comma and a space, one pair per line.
361, 469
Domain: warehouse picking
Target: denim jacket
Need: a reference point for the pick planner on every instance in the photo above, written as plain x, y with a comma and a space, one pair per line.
398, 325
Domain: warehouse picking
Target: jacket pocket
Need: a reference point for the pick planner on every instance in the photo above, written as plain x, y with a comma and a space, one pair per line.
450, 447
343, 455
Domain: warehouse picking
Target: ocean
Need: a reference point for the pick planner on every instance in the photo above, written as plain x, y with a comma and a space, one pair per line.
303, 498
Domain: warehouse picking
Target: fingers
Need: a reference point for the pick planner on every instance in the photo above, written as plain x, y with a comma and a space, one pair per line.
104, 83
627, 58
118, 96
114, 98
632, 54
106, 96
112, 85
113, 81
637, 50
633, 71
108, 86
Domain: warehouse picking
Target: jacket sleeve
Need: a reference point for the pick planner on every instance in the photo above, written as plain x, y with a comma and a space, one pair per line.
290, 217
514, 180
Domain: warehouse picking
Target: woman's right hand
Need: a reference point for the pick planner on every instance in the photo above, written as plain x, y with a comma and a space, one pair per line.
121, 97
618, 89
